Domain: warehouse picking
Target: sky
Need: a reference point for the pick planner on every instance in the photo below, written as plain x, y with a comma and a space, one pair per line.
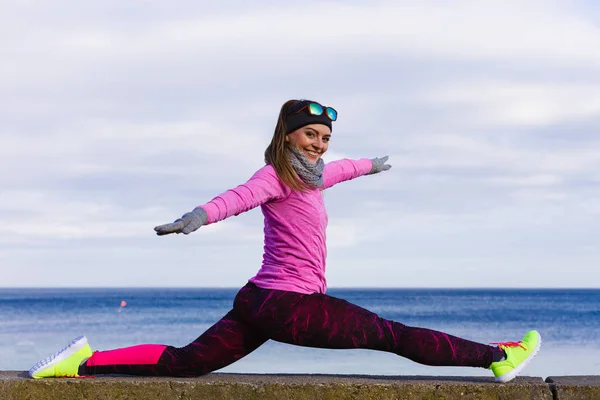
119, 116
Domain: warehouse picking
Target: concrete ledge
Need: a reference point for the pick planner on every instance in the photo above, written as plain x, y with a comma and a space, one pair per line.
17, 385
575, 387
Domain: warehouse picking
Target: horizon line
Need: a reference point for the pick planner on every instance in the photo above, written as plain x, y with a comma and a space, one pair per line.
328, 288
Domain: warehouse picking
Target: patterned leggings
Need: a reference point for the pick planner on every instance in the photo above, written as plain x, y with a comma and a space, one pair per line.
315, 320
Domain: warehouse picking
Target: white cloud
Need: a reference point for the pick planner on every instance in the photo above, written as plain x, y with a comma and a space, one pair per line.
191, 43
119, 116
487, 30
470, 150
521, 103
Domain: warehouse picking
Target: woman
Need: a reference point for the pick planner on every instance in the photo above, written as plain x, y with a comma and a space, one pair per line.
286, 300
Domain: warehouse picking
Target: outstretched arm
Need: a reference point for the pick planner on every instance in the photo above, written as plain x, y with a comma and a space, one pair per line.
263, 186
344, 170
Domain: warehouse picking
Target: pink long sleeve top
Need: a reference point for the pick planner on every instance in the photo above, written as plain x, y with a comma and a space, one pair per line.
295, 223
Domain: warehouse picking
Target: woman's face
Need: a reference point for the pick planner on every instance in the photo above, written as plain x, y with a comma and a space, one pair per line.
312, 140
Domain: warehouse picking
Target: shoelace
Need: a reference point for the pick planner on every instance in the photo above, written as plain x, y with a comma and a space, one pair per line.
49, 359
510, 344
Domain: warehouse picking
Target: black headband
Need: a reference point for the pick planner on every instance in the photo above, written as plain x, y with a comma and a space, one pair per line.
297, 120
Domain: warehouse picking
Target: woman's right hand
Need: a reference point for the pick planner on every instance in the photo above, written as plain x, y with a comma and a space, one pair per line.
187, 224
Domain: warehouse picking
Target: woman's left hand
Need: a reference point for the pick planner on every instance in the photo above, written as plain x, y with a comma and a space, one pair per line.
379, 164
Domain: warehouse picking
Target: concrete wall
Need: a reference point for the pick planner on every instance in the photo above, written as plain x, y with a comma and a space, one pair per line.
17, 385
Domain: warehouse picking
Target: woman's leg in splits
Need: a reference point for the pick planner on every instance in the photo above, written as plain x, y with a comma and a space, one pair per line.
225, 342
322, 321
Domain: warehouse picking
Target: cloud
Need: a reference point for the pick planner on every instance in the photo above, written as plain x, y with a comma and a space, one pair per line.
521, 104
120, 116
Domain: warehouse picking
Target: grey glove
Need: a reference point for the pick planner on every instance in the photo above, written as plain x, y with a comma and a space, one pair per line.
379, 164
187, 224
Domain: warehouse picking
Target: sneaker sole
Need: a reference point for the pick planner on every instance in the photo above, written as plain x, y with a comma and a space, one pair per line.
76, 344
513, 374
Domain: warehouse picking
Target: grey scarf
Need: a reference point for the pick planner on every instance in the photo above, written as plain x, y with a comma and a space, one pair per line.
309, 173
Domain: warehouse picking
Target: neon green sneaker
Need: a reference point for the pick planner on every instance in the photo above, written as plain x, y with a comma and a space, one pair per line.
65, 362
518, 354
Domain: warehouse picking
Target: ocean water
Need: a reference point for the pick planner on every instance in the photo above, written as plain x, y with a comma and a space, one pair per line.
34, 323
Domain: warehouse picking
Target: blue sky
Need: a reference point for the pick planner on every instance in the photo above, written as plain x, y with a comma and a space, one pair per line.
118, 117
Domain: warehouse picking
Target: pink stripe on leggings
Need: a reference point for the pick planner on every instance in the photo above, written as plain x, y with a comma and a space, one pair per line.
142, 354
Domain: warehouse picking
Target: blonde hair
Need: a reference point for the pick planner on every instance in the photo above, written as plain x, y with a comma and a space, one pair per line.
277, 155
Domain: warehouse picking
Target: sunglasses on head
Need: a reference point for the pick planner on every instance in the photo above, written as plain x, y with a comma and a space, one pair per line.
317, 109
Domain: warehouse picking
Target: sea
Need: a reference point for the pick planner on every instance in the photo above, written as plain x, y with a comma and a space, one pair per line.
35, 323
